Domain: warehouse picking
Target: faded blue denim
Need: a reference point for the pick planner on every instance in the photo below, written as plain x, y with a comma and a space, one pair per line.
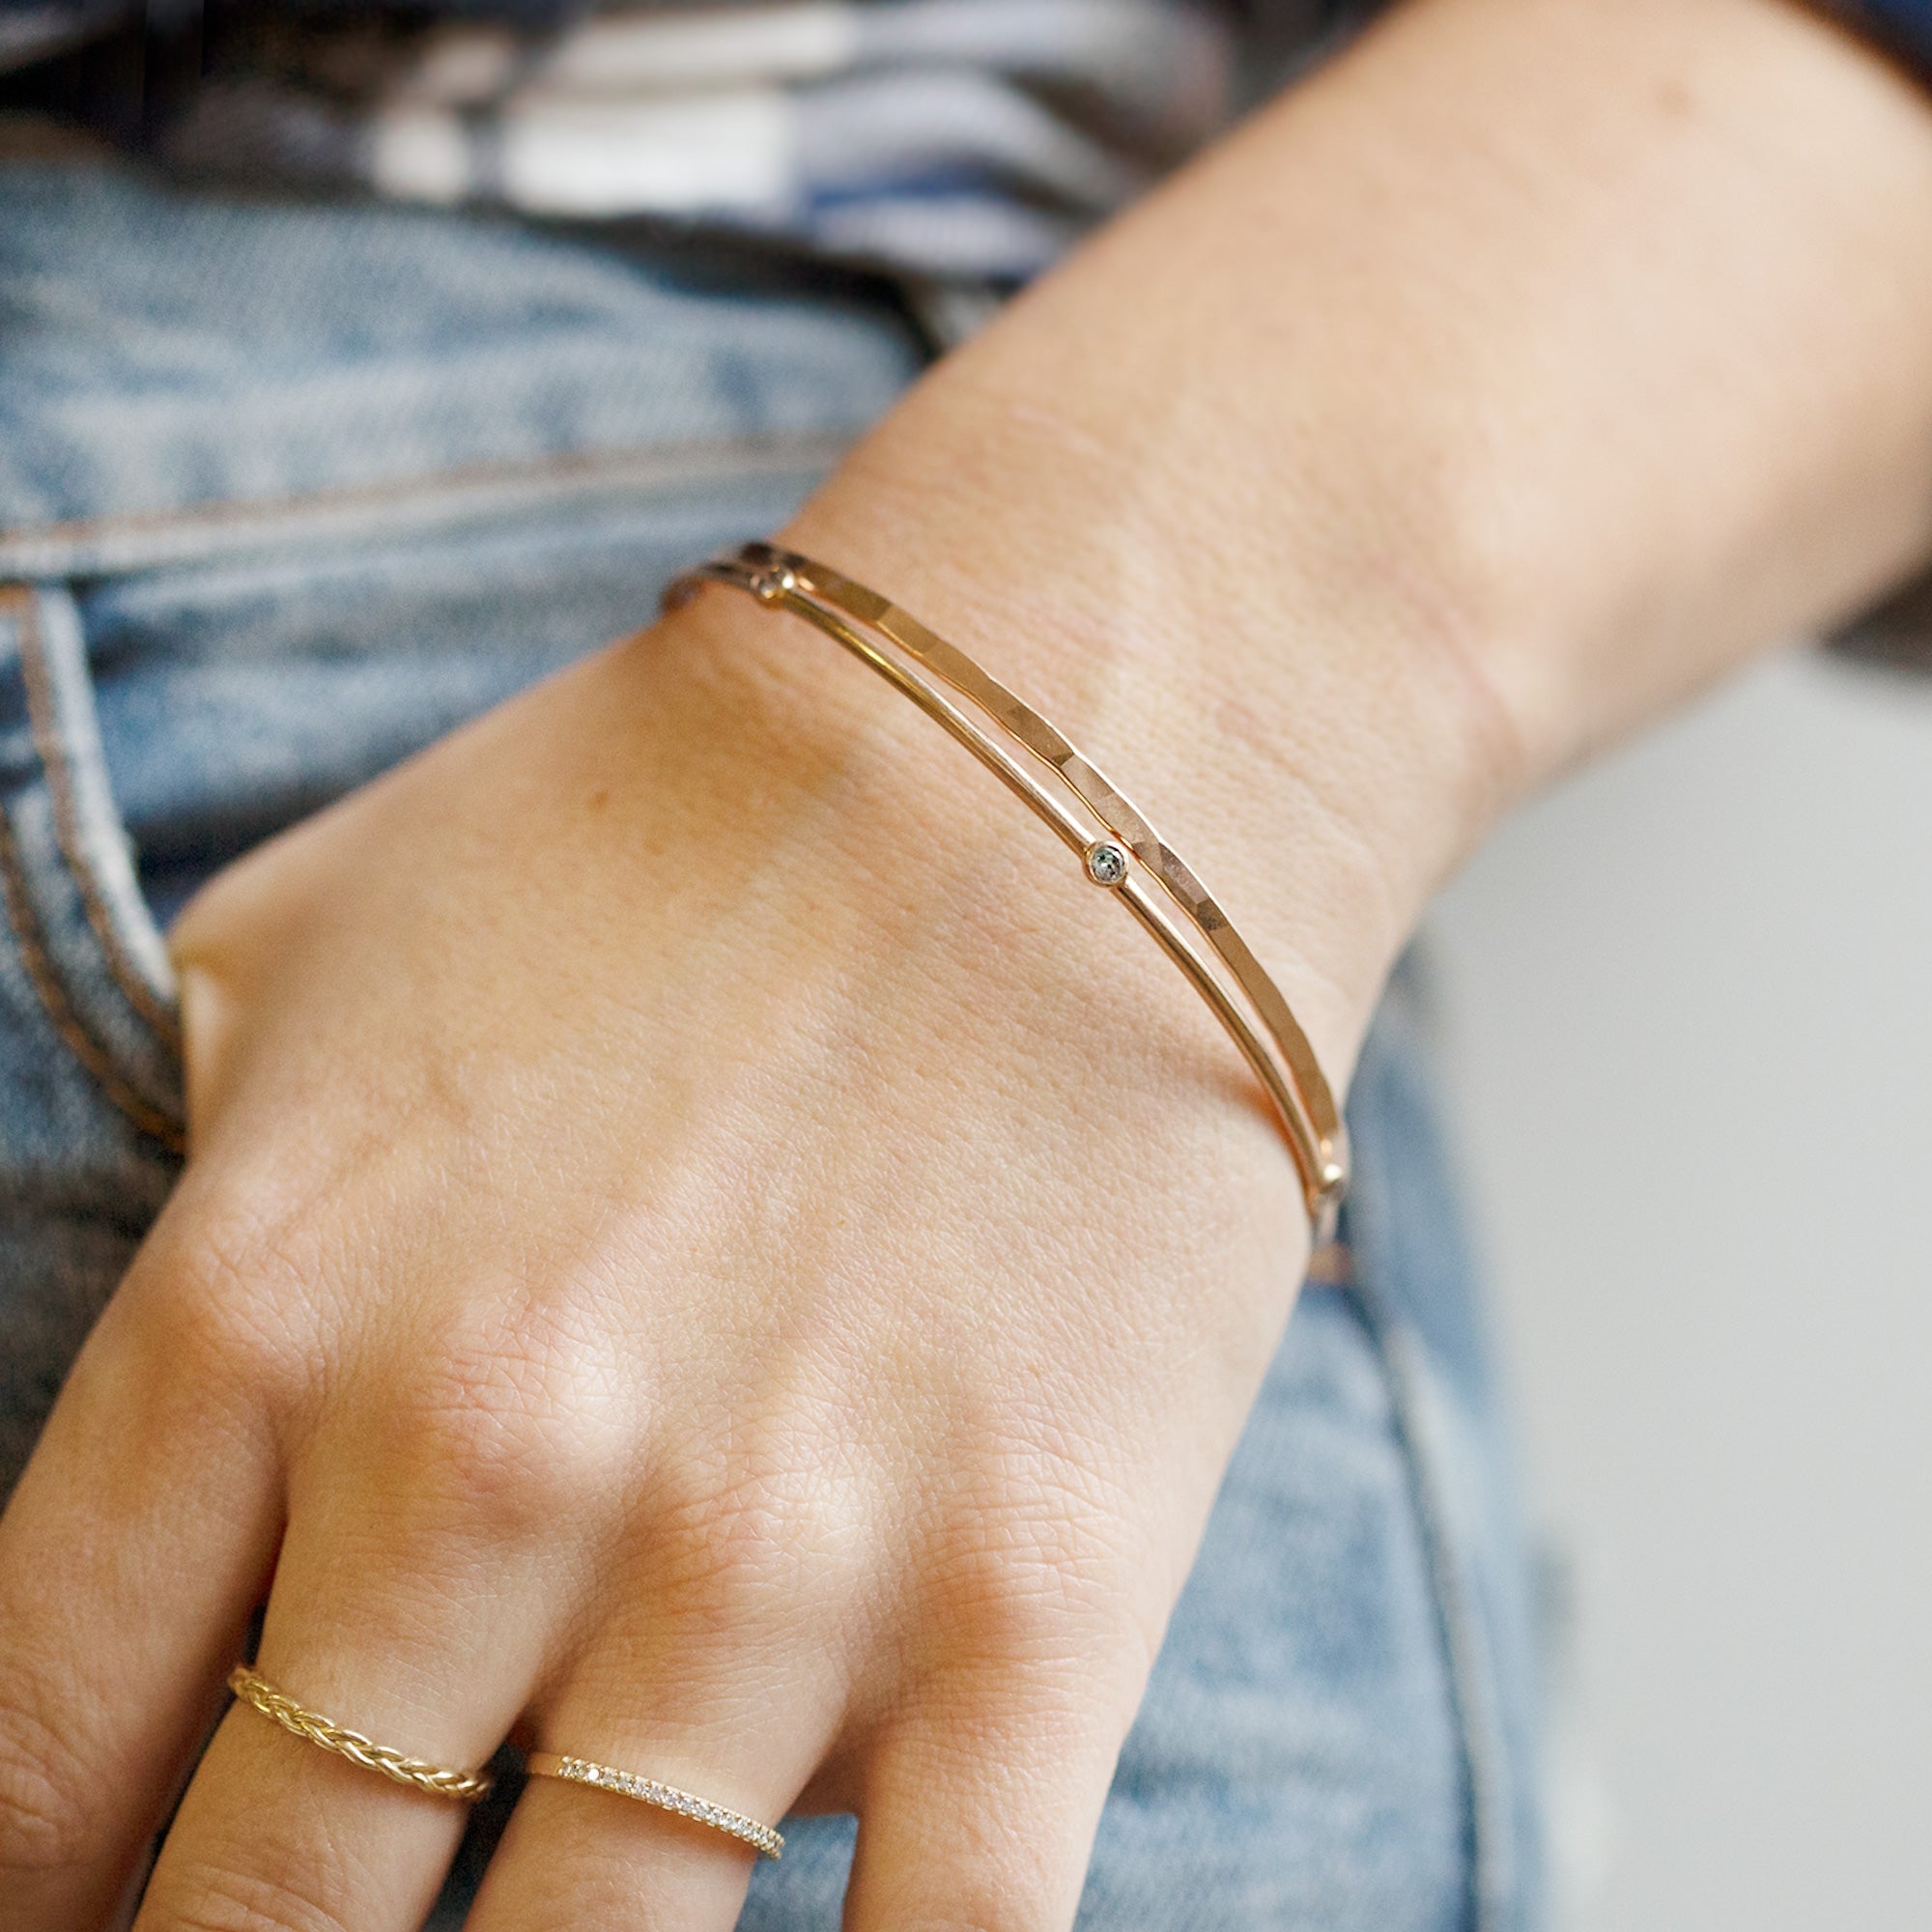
286, 492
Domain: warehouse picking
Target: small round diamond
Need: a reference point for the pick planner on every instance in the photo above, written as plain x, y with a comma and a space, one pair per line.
1106, 863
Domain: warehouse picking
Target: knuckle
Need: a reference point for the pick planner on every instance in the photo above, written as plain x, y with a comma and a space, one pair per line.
1008, 1878
983, 1915
49, 1816
1023, 1585
1022, 1610
226, 1294
202, 1897
774, 1534
478, 1464
502, 1430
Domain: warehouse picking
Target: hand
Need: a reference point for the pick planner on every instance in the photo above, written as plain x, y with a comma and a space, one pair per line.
711, 1250
697, 1250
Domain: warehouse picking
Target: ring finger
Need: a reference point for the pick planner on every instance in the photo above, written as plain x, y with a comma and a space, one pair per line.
735, 1711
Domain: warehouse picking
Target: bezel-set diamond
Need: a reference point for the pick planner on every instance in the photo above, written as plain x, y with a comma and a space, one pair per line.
1024, 750
1108, 863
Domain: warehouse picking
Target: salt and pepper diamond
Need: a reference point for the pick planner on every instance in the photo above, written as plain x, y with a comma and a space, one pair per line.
1106, 863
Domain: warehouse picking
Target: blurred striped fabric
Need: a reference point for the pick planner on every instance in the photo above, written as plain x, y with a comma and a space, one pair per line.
947, 138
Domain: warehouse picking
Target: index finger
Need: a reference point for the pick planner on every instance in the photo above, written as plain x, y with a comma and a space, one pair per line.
131, 1558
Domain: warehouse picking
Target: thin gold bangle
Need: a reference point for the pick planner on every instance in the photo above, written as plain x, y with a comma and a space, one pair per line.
1118, 848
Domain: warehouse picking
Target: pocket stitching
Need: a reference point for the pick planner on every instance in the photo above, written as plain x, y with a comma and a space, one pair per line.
122, 968
60, 1013
122, 543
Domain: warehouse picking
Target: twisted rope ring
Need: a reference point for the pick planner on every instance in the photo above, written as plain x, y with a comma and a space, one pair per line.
283, 1710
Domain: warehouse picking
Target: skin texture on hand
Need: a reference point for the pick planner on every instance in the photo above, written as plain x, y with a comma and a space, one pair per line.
545, 1259
705, 1244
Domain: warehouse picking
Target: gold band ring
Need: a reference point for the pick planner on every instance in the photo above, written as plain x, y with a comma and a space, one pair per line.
665, 1797
281, 1709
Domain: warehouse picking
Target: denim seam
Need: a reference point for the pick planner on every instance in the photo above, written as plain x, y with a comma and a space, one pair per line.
1491, 1876
60, 1013
58, 765
146, 540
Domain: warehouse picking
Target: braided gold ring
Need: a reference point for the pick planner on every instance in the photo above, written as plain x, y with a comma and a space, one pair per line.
281, 1709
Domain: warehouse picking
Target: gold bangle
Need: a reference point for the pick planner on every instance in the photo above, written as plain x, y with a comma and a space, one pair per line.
665, 1797
316, 1729
1117, 847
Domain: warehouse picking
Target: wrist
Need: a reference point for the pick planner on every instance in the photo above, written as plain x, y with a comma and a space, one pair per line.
1306, 730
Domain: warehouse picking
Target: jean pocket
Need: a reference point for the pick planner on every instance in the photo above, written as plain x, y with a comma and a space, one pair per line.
239, 686
174, 689
88, 971
170, 350
323, 480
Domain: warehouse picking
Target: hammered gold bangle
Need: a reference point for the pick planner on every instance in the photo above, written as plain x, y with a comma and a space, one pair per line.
1117, 847
762, 1838
279, 1708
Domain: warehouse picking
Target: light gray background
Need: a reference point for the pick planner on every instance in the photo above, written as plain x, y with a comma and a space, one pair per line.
1686, 1003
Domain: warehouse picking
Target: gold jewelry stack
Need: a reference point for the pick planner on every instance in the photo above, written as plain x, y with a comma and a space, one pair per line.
1118, 848
439, 1781
1121, 853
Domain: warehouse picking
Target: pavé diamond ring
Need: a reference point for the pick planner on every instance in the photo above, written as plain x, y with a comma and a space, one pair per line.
665, 1797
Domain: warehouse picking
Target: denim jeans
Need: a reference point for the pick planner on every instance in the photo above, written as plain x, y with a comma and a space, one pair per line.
285, 492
